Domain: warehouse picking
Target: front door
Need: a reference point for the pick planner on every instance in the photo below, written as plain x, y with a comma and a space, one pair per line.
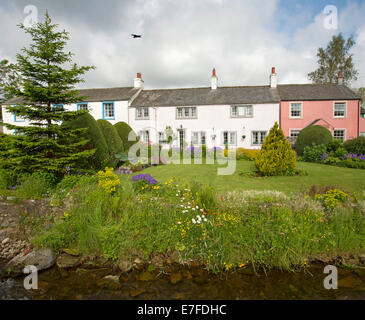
181, 134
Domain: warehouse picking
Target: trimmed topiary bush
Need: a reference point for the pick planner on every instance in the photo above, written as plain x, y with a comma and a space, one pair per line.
276, 156
124, 130
96, 139
114, 142
356, 146
313, 134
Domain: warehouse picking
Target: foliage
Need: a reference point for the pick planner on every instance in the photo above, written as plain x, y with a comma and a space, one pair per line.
314, 152
114, 142
124, 130
95, 139
46, 83
313, 134
355, 145
8, 77
37, 186
334, 59
246, 154
332, 198
108, 180
8, 179
276, 156
264, 229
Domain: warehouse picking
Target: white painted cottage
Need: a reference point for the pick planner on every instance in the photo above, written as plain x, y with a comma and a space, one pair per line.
215, 116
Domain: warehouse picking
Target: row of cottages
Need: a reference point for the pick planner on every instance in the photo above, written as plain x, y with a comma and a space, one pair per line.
216, 116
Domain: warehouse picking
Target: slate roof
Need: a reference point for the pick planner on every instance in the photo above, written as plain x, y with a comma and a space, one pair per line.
206, 96
300, 92
96, 95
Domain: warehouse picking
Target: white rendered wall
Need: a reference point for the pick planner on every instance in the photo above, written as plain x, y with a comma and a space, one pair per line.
212, 119
95, 109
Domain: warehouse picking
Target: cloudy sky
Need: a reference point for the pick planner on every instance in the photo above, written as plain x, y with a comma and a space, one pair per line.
184, 39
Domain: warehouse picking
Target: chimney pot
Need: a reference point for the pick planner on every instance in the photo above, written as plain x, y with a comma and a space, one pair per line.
273, 78
214, 84
138, 82
340, 78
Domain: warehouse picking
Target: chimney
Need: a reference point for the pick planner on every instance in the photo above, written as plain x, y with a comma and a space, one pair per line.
214, 80
340, 79
273, 78
138, 82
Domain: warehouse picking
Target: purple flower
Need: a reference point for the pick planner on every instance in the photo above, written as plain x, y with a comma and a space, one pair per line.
144, 177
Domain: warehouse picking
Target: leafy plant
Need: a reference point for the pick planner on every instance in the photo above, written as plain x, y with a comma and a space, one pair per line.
276, 156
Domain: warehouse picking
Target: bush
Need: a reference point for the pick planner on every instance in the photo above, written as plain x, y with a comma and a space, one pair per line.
37, 186
7, 179
95, 137
314, 153
124, 130
246, 154
356, 146
114, 142
276, 156
313, 134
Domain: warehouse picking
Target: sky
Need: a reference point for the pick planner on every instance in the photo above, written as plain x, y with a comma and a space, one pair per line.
183, 40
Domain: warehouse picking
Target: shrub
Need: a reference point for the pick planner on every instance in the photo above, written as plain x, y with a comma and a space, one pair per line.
124, 130
314, 153
95, 137
356, 146
332, 198
246, 154
114, 142
108, 180
37, 186
276, 156
7, 179
313, 134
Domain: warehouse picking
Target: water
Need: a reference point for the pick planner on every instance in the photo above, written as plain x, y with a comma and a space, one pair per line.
88, 283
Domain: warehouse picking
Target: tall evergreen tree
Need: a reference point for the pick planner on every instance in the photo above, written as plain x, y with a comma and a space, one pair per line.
48, 80
334, 59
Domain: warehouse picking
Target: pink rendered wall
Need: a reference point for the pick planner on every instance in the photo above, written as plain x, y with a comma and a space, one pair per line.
313, 110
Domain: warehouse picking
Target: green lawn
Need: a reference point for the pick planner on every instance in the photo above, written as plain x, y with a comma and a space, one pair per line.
350, 180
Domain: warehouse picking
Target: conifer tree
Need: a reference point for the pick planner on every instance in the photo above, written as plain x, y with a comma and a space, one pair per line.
276, 156
48, 79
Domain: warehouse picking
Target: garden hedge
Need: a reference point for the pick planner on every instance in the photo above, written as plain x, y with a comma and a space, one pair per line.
356, 146
114, 142
124, 130
313, 134
96, 137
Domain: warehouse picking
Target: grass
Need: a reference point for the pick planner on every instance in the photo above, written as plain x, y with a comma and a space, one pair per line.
350, 180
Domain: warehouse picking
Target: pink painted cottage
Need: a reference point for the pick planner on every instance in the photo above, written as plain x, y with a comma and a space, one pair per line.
333, 106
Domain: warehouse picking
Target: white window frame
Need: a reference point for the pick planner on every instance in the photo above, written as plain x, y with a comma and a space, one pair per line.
301, 110
143, 134
340, 129
143, 112
334, 109
290, 131
197, 138
162, 137
183, 113
260, 138
229, 138
245, 106
362, 134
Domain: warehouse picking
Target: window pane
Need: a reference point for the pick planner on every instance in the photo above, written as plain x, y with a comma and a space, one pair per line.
339, 134
296, 110
193, 112
340, 109
179, 112
195, 138
203, 138
146, 112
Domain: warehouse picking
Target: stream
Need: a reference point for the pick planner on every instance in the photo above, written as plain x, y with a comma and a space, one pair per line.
183, 283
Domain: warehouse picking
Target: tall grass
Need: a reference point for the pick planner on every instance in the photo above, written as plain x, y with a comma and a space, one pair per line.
268, 229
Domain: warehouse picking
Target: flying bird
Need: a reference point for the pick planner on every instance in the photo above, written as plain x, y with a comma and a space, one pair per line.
136, 36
